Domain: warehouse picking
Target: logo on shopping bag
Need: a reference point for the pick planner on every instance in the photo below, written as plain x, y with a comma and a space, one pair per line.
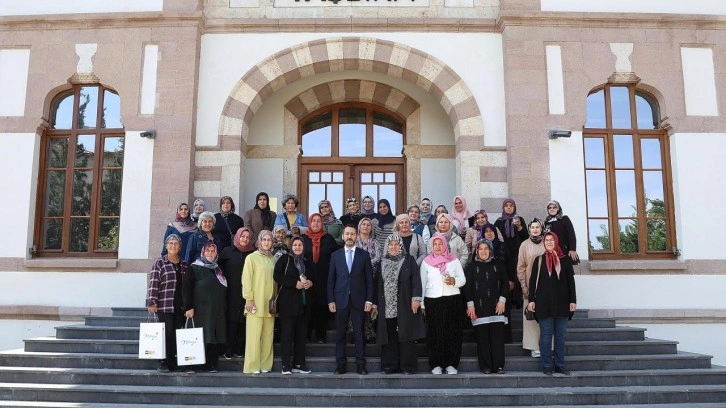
151, 336
189, 358
190, 342
149, 352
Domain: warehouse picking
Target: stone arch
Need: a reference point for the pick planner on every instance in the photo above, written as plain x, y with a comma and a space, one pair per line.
357, 54
346, 90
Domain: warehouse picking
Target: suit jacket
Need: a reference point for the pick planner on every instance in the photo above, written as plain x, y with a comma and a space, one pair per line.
358, 283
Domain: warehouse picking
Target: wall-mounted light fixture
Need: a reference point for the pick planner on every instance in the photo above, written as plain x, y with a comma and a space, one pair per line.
554, 134
149, 134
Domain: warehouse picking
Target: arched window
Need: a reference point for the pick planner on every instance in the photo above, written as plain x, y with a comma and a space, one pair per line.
81, 168
627, 172
351, 150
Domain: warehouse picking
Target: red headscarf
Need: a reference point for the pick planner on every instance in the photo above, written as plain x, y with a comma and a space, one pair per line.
439, 261
553, 257
315, 236
236, 243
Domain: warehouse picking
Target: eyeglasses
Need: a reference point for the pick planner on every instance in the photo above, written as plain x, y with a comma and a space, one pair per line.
551, 207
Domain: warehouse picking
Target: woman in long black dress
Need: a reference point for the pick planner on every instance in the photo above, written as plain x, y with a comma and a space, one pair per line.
293, 308
231, 260
514, 233
319, 245
205, 300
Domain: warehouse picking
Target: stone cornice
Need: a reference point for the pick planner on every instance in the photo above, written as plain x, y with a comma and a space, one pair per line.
507, 18
351, 24
609, 20
100, 21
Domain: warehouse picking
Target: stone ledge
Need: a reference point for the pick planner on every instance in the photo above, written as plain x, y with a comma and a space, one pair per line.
70, 263
645, 266
661, 316
36, 312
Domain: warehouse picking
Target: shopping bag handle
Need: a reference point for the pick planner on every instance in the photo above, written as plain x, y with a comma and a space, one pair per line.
186, 323
156, 318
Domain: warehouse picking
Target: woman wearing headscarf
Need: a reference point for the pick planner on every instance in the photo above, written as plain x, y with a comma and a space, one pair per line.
486, 291
260, 217
198, 207
182, 226
367, 209
318, 245
258, 287
332, 225
293, 221
231, 260
280, 242
514, 233
553, 299
383, 223
293, 308
205, 300
399, 296
199, 238
476, 232
426, 216
227, 222
412, 243
460, 215
352, 212
562, 226
417, 226
528, 252
441, 278
456, 245
501, 253
367, 242
164, 296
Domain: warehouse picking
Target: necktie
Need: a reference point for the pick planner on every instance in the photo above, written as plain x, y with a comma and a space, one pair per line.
349, 259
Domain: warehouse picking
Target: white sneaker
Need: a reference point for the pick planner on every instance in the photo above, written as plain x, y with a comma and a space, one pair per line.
436, 371
451, 370
286, 371
265, 371
535, 354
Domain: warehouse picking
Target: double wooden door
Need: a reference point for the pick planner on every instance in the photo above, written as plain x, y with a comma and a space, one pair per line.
338, 182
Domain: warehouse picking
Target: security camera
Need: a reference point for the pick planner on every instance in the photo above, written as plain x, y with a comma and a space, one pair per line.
149, 134
554, 134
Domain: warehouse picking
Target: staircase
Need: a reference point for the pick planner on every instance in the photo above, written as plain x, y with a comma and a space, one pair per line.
96, 365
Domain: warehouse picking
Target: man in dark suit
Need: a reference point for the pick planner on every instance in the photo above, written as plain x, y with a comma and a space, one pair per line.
350, 295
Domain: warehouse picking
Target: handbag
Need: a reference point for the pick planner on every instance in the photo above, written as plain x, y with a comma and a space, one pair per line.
272, 305
152, 339
529, 315
190, 345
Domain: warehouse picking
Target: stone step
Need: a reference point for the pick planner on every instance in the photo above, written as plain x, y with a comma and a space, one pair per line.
309, 396
130, 321
141, 312
513, 379
128, 328
130, 346
679, 360
34, 404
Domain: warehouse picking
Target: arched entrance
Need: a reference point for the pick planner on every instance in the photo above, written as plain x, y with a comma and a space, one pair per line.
344, 54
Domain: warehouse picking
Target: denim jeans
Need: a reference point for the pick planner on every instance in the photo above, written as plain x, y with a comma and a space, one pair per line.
556, 326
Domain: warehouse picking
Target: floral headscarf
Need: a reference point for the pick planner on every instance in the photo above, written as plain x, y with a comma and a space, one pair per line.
183, 224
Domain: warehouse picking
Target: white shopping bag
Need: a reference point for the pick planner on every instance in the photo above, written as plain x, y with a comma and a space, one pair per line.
190, 346
152, 341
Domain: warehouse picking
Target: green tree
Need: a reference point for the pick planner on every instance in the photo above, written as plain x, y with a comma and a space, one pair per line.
629, 237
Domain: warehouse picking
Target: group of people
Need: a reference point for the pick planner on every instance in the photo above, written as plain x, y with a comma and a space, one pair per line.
393, 280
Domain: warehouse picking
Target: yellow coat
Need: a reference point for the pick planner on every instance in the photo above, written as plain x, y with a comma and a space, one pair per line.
258, 283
